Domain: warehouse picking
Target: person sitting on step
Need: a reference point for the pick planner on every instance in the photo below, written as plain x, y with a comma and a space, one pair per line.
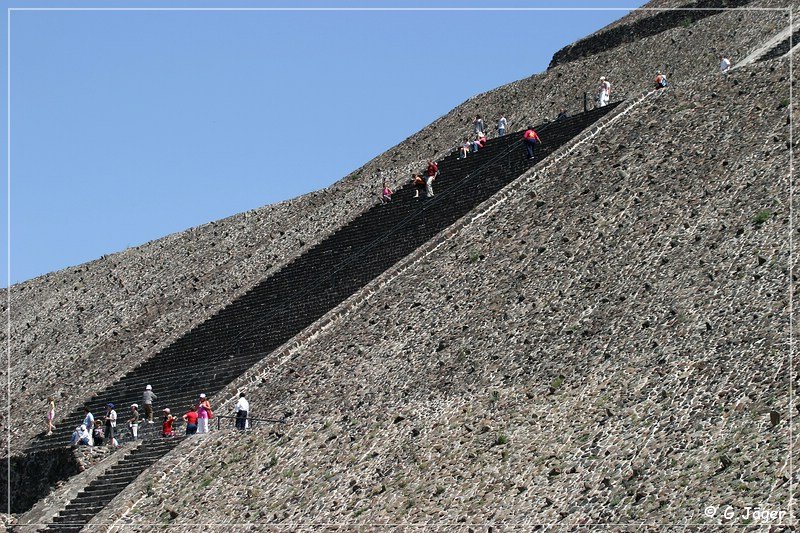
464, 149
98, 435
81, 436
479, 143
660, 81
386, 194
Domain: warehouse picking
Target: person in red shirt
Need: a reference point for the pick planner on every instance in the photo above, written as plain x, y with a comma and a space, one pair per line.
531, 140
191, 420
166, 426
430, 175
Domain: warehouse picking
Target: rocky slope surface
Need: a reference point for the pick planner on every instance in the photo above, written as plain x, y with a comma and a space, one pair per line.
608, 346
104, 317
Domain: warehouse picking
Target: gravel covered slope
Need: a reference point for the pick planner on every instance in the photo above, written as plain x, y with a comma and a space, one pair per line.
609, 346
104, 317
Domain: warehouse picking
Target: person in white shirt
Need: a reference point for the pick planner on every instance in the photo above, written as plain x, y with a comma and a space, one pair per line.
88, 421
111, 424
242, 407
501, 126
603, 92
477, 126
81, 436
724, 64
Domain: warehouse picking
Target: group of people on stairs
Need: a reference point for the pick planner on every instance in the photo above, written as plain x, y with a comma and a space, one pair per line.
95, 432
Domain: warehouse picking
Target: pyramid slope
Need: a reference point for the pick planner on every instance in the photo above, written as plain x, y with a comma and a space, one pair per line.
611, 356
115, 312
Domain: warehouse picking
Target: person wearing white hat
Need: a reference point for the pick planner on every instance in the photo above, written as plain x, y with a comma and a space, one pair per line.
147, 400
133, 422
80, 436
203, 414
166, 425
603, 92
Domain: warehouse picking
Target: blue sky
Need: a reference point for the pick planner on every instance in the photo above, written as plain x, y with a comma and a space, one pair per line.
130, 125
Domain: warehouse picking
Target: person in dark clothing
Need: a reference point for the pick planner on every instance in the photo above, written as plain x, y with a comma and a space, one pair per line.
430, 174
562, 114
419, 184
242, 408
111, 424
98, 435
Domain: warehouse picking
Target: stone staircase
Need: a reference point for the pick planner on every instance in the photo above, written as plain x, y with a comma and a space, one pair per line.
105, 488
781, 48
779, 44
214, 353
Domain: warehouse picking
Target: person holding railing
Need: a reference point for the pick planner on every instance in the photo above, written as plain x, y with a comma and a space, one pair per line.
430, 174
531, 139
241, 409
419, 184
191, 420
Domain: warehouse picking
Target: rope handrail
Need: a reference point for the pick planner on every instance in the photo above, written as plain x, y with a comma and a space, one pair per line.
428, 204
234, 347
269, 420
